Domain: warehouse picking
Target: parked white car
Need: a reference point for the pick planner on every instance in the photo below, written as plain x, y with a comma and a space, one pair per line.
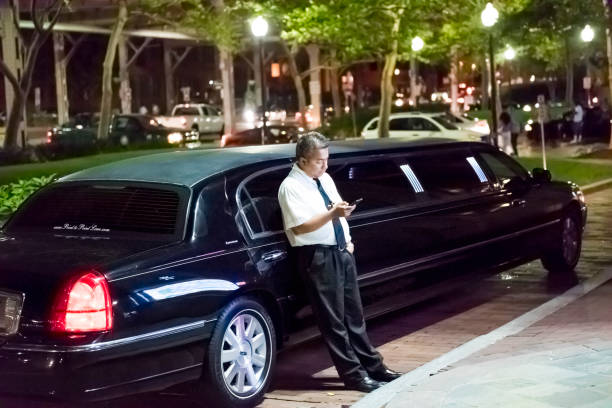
466, 122
420, 125
196, 116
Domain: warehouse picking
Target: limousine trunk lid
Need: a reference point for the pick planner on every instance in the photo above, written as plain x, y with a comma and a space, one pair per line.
37, 265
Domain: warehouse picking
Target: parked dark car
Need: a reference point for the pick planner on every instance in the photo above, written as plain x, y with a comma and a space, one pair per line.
141, 274
273, 134
596, 127
145, 129
77, 136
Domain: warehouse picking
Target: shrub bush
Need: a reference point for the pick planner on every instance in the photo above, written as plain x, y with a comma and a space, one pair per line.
13, 194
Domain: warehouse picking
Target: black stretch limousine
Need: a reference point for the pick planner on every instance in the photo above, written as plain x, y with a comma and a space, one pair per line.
141, 274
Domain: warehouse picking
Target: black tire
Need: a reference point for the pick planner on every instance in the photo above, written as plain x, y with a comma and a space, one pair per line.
223, 377
564, 256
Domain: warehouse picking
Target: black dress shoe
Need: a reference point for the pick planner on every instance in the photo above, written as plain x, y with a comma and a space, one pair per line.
385, 375
366, 384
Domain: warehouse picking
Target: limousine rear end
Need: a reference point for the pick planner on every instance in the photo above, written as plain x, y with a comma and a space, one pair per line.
142, 274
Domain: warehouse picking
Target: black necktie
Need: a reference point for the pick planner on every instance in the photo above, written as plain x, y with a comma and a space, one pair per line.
338, 231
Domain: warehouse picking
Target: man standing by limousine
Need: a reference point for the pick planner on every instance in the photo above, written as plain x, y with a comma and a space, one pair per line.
314, 218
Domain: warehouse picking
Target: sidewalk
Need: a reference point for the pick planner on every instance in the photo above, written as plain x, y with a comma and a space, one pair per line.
563, 360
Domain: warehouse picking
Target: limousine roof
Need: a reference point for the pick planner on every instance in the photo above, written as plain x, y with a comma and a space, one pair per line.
187, 168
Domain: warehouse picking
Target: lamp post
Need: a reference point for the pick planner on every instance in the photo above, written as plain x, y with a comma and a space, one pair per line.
489, 17
586, 35
417, 45
259, 28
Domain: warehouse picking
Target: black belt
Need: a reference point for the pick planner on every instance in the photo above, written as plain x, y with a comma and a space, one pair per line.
323, 246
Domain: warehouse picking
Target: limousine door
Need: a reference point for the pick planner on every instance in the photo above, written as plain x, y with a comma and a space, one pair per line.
524, 217
459, 204
259, 218
379, 225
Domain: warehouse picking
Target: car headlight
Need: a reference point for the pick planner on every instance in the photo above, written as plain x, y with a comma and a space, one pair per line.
175, 137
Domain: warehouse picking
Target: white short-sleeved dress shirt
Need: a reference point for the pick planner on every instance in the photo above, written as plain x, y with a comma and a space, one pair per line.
300, 200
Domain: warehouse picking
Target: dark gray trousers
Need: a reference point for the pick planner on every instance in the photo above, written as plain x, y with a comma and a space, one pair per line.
330, 277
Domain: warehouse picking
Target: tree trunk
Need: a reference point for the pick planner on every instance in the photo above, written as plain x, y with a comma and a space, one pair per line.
14, 121
21, 87
107, 76
484, 84
314, 86
334, 74
569, 74
386, 94
454, 83
227, 77
607, 6
386, 82
552, 90
297, 82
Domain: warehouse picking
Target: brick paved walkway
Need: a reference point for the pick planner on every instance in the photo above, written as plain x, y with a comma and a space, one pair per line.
564, 361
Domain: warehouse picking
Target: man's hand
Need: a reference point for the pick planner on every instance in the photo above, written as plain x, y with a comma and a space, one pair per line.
350, 247
342, 209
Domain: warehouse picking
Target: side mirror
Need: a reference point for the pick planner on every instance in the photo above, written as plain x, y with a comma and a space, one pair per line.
517, 184
540, 175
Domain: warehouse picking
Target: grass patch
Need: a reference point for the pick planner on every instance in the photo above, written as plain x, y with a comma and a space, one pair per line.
576, 170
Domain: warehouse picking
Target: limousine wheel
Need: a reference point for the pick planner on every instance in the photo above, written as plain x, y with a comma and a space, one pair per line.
565, 255
241, 355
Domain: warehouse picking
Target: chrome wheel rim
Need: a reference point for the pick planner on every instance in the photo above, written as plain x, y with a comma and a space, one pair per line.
570, 240
244, 355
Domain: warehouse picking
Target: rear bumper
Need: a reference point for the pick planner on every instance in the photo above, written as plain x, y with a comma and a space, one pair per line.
106, 370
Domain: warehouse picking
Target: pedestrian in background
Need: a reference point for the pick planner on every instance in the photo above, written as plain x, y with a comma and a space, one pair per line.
578, 123
516, 126
314, 218
504, 133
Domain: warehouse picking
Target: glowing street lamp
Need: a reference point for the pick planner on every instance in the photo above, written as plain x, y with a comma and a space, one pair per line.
416, 45
509, 54
489, 17
259, 28
587, 34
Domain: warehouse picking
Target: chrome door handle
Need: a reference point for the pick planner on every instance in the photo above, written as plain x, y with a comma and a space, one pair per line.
272, 256
518, 203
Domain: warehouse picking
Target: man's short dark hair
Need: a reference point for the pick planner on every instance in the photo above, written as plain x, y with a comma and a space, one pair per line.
310, 142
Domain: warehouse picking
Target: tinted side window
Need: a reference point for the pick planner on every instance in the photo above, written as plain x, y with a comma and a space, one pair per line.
380, 183
126, 123
400, 124
186, 112
259, 201
446, 175
425, 124
503, 166
373, 125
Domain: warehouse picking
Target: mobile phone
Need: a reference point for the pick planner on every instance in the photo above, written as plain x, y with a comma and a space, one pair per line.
357, 201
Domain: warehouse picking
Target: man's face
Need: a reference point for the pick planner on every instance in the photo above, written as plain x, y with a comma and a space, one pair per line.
316, 164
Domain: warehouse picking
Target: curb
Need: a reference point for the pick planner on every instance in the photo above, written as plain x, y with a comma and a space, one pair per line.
597, 186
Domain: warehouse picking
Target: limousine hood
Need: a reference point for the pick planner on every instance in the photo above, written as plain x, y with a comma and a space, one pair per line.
38, 265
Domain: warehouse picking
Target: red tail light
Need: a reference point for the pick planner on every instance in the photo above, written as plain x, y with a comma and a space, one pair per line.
84, 305
49, 135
